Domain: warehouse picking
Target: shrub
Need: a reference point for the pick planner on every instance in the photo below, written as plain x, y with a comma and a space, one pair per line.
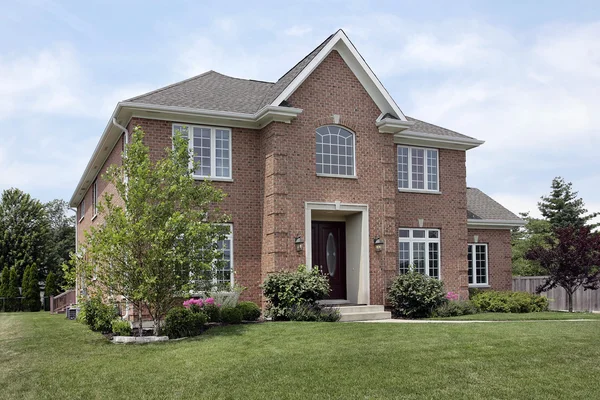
509, 302
414, 295
31, 289
250, 311
121, 328
181, 322
455, 309
213, 312
231, 315
285, 290
97, 315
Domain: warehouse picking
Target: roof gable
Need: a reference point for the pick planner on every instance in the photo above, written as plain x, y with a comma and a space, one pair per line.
342, 44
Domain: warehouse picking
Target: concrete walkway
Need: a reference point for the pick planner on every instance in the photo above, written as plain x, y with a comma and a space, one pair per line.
434, 321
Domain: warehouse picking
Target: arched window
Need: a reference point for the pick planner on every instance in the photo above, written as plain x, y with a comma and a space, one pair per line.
335, 151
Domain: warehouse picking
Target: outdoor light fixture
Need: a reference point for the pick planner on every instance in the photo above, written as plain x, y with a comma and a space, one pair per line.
299, 242
378, 244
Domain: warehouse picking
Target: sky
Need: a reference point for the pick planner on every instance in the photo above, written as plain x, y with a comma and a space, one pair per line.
523, 76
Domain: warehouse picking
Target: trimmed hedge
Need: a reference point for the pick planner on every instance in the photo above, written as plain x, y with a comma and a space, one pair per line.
250, 311
455, 309
231, 315
181, 322
414, 295
508, 302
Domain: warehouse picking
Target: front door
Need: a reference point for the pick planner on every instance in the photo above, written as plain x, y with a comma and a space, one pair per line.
329, 253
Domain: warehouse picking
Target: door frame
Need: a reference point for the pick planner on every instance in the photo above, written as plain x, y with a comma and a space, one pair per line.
359, 290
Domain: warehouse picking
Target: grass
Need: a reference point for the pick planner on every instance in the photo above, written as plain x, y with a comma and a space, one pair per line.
536, 316
45, 356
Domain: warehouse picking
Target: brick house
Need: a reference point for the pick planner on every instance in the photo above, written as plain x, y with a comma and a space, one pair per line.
321, 168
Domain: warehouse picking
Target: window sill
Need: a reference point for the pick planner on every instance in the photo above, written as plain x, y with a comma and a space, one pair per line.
337, 176
479, 286
419, 191
81, 219
208, 178
94, 217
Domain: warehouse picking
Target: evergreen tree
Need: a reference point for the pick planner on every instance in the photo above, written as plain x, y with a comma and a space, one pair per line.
12, 303
51, 288
562, 208
4, 278
535, 233
31, 289
23, 231
61, 242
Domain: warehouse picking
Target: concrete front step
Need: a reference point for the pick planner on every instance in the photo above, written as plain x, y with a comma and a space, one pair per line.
363, 313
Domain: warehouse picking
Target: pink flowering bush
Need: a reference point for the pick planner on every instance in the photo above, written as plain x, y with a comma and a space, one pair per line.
452, 296
207, 306
193, 302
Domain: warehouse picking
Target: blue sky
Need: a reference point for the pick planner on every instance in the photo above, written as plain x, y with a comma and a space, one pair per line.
521, 76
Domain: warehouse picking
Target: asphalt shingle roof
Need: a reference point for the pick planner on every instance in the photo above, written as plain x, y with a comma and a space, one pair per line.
482, 206
214, 91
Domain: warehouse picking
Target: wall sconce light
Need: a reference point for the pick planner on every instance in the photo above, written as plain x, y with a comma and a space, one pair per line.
378, 244
299, 242
476, 238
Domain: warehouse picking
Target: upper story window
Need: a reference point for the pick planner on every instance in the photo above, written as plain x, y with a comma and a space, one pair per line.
95, 198
419, 249
82, 209
211, 148
418, 169
335, 151
478, 264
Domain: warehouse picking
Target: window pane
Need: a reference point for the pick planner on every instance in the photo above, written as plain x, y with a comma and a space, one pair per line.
404, 233
432, 170
433, 234
470, 263
419, 257
223, 273
222, 153
418, 168
404, 257
434, 260
201, 143
335, 151
480, 264
419, 233
402, 167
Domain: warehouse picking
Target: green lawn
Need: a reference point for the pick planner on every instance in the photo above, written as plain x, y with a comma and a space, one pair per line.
537, 316
48, 357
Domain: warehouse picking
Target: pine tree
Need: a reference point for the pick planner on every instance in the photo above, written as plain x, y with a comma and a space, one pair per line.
23, 231
31, 289
12, 302
562, 208
51, 289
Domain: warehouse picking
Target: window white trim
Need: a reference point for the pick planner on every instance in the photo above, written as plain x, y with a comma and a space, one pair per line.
426, 240
229, 237
470, 264
82, 210
95, 199
410, 170
330, 175
213, 150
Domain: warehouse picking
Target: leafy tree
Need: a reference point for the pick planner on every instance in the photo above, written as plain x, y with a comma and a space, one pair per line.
13, 290
572, 260
159, 235
563, 208
51, 288
4, 281
23, 230
535, 233
61, 241
31, 289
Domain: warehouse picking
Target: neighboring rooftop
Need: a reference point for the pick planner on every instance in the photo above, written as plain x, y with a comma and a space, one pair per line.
482, 206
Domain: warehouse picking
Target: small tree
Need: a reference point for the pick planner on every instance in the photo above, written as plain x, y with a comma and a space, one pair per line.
160, 235
51, 288
31, 289
572, 260
563, 208
534, 233
13, 290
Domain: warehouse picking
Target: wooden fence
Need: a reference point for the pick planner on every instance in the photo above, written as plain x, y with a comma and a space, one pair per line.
58, 304
583, 300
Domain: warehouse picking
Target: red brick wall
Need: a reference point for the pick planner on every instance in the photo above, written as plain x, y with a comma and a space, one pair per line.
499, 254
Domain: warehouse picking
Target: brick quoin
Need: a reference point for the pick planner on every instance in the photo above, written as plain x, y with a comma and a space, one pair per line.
274, 174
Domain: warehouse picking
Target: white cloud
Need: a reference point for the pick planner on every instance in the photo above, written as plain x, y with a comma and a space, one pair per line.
298, 30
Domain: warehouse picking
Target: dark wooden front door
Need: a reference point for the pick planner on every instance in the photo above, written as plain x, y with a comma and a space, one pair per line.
329, 253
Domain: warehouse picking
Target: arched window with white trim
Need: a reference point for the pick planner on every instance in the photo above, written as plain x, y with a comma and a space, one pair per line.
335, 151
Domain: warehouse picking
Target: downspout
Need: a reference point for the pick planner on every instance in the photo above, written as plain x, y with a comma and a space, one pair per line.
126, 132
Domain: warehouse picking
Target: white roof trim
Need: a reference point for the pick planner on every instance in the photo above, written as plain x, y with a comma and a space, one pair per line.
494, 223
124, 111
437, 141
389, 125
342, 44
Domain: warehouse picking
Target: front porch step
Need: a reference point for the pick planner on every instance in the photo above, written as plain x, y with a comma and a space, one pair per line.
363, 313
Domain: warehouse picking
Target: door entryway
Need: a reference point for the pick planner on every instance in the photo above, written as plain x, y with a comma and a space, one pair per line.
329, 253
